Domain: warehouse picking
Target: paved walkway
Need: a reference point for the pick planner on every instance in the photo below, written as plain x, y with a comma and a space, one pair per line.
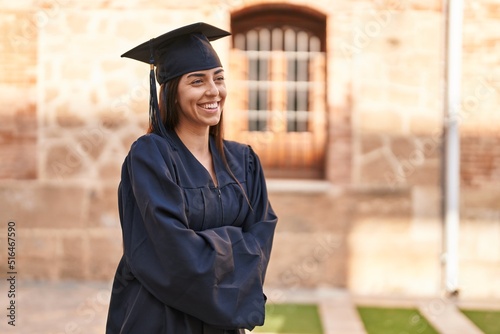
81, 307
447, 319
57, 308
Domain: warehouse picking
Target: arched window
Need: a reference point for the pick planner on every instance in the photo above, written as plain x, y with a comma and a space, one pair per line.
278, 66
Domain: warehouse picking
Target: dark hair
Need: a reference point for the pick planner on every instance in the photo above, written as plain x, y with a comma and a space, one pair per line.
170, 117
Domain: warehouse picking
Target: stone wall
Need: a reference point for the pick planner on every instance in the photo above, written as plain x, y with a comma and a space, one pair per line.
71, 107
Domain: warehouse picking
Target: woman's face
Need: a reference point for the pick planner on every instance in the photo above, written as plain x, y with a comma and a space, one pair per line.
200, 98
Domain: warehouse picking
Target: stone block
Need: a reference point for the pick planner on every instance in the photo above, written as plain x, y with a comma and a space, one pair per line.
68, 118
385, 258
37, 254
479, 280
404, 98
112, 121
110, 169
381, 203
91, 141
311, 213
480, 160
480, 239
369, 143
372, 121
427, 5
307, 260
19, 42
128, 140
376, 169
426, 124
426, 203
64, 161
73, 254
474, 199
426, 174
44, 206
103, 208
402, 146
18, 159
18, 142
105, 252
412, 161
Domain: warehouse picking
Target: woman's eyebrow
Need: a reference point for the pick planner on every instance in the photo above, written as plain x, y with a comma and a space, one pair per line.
199, 74
196, 75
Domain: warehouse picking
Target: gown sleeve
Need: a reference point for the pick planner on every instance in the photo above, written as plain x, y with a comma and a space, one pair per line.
215, 275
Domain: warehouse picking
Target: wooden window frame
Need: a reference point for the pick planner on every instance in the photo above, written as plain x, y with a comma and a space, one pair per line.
290, 148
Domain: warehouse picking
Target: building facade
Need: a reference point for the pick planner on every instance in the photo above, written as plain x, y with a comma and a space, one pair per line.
342, 100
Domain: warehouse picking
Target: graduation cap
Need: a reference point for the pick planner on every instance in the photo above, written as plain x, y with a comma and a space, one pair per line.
177, 52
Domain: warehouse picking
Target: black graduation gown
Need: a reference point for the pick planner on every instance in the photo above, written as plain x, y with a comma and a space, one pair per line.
195, 255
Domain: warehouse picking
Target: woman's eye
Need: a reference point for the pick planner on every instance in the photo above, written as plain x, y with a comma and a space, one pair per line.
196, 82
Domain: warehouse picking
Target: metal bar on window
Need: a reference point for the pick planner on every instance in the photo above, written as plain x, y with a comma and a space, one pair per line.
302, 76
291, 76
264, 45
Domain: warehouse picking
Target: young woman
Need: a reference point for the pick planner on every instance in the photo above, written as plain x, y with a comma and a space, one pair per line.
196, 220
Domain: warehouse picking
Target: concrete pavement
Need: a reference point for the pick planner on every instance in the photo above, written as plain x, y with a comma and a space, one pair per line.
57, 307
448, 319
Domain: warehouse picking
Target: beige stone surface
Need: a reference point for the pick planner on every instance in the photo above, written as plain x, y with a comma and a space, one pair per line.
71, 107
307, 260
105, 249
42, 206
404, 266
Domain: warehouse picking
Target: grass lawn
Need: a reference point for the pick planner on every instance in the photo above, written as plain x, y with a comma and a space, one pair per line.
378, 320
291, 318
487, 321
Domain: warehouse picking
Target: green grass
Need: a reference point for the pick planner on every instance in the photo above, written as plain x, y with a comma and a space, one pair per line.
379, 320
291, 318
487, 321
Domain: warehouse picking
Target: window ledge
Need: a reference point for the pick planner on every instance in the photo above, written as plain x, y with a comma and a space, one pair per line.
298, 186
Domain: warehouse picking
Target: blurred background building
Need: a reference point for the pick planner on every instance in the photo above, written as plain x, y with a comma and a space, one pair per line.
343, 101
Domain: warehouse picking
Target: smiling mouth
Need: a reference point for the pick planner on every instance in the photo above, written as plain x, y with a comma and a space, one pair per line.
210, 106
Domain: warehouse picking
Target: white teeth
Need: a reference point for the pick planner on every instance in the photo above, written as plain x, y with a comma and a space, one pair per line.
210, 105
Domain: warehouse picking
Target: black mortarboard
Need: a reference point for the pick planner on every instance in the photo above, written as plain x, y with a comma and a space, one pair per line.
177, 52
180, 51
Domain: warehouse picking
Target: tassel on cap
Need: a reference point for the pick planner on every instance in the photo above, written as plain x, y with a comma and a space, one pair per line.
154, 109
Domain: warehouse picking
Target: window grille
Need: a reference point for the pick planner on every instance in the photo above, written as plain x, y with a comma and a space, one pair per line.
279, 82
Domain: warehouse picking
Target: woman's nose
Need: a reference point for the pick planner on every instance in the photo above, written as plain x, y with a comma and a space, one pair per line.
212, 89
